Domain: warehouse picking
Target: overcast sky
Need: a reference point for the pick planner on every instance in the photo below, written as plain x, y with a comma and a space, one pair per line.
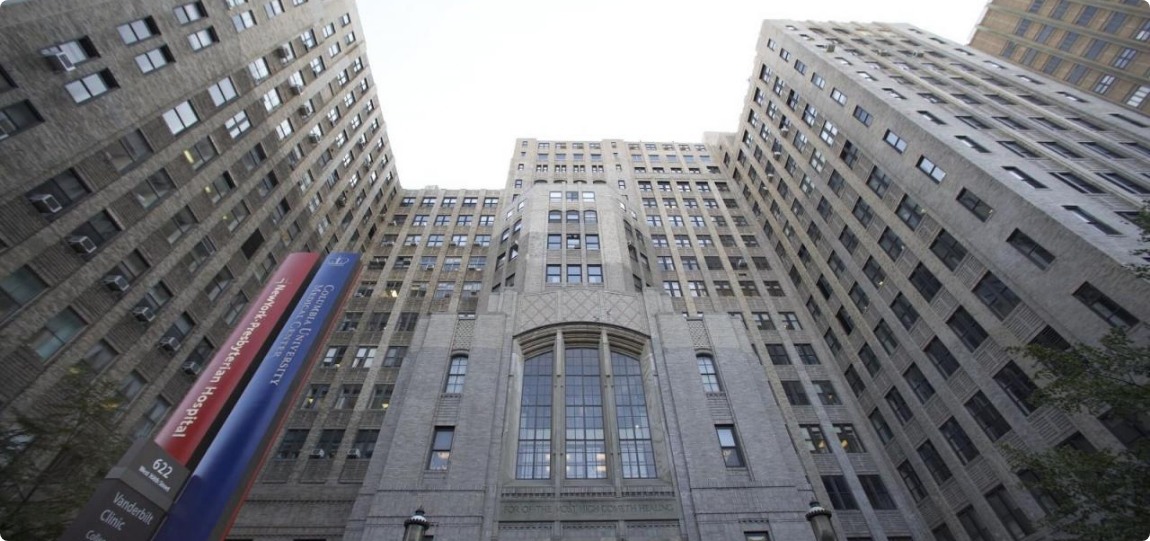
459, 81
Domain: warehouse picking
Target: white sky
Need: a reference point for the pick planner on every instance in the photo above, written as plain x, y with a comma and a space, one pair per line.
459, 81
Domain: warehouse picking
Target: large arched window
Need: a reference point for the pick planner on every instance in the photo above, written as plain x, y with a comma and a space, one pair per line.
585, 436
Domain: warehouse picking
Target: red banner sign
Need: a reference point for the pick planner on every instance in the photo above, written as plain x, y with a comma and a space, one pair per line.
191, 423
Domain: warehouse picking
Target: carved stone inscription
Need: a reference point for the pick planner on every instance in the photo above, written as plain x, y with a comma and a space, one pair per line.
510, 510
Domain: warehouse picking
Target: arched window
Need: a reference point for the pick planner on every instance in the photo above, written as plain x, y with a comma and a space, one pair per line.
572, 216
586, 442
590, 216
708, 373
554, 216
456, 373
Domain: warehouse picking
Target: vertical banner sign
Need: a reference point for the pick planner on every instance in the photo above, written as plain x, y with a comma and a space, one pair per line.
191, 424
206, 505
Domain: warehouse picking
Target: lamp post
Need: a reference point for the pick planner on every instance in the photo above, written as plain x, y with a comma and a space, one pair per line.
415, 526
820, 520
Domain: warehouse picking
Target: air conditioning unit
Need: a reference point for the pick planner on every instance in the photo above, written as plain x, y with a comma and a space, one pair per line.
46, 203
115, 282
472, 293
831, 48
313, 137
59, 61
304, 110
82, 244
785, 131
429, 267
354, 453
297, 89
169, 343
192, 368
387, 243
777, 155
473, 268
318, 453
144, 314
284, 52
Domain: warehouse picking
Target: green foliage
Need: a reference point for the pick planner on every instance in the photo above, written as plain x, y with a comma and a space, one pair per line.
51, 460
1101, 494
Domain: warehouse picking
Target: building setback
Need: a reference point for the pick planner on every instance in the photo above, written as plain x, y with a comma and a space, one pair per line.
1097, 46
630, 339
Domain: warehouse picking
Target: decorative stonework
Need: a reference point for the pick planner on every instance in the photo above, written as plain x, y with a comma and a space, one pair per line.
464, 335
581, 305
699, 336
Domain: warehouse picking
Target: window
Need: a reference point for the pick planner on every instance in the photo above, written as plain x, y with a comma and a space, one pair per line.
154, 59
974, 204
918, 383
826, 392
56, 332
18, 289
187, 13
839, 492
180, 117
243, 21
948, 249
314, 397
931, 169
814, 438
1090, 219
222, 91
97, 231
238, 124
899, 405
934, 462
441, 440
456, 374
996, 295
1031, 249
203, 38
1110, 312
91, 86
729, 446
880, 427
708, 373
1017, 385
58, 193
796, 395
959, 442
380, 397
292, 444
876, 492
137, 30
863, 116
987, 416
1012, 518
849, 439
895, 141
363, 358
807, 354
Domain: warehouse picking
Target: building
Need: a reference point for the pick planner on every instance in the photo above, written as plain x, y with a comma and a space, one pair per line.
158, 159
1098, 46
893, 212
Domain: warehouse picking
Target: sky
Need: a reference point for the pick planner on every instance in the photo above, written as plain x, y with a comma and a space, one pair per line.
459, 81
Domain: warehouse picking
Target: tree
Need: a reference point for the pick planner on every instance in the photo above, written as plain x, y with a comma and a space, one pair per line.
52, 459
1097, 494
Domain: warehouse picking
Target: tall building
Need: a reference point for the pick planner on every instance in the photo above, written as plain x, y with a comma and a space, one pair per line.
630, 339
1100, 46
157, 160
894, 213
